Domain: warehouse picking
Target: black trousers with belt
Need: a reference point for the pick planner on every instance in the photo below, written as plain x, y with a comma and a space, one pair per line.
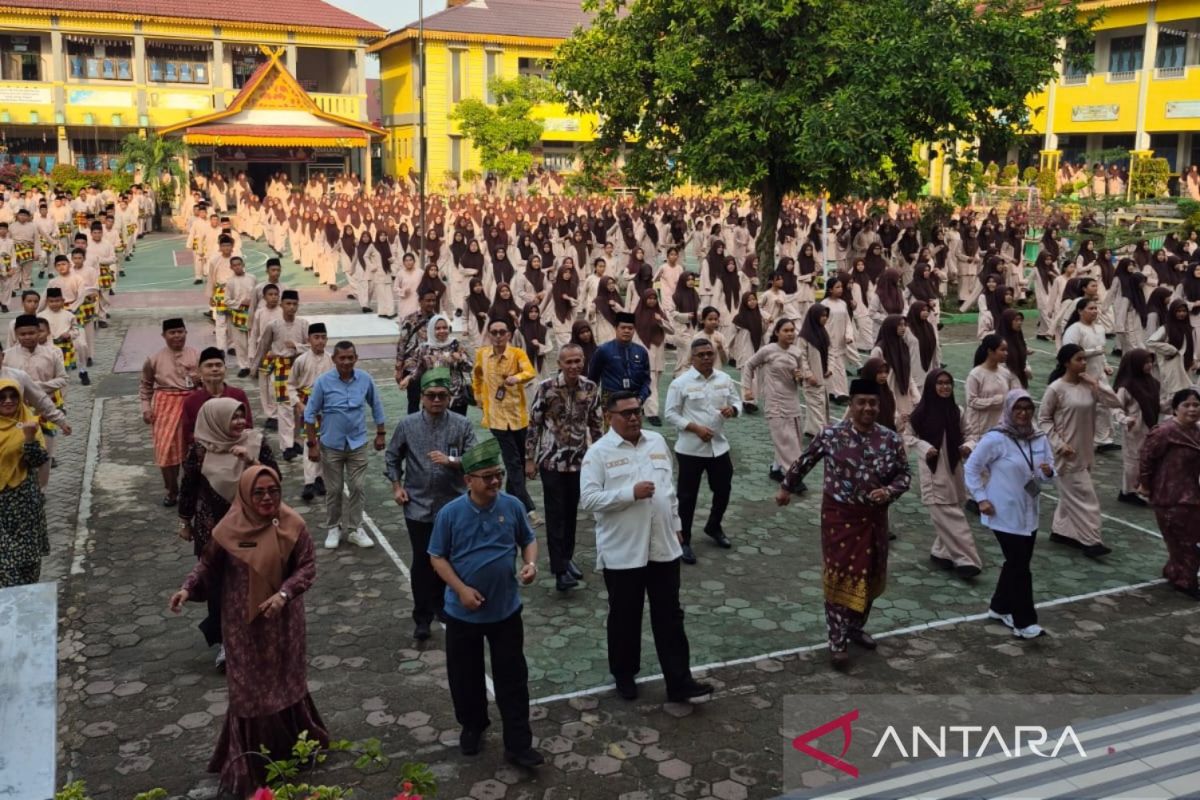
627, 593
1014, 587
510, 674
560, 491
428, 590
720, 482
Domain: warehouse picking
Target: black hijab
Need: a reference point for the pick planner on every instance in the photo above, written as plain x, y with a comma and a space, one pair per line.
815, 333
938, 420
750, 319
924, 332
895, 349
1142, 386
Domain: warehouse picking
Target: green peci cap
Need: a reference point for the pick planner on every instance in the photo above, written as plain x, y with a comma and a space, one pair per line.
435, 376
481, 456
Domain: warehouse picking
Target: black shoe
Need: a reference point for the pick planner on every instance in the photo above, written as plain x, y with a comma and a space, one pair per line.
470, 741
688, 556
720, 538
100, 324
565, 582
244, 373
169, 501
627, 688
892, 536
689, 691
776, 475
271, 424
41, 273
290, 454
1117, 353
198, 281
527, 758
54, 463
421, 632
1096, 550
331, 288
943, 563
967, 571
319, 485
750, 408
122, 272
863, 639
84, 379
231, 352
1107, 446
111, 293
1058, 538
656, 421
1133, 498
366, 310
308, 493
89, 361
574, 571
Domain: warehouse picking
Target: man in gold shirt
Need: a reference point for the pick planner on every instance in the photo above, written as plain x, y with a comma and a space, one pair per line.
501, 372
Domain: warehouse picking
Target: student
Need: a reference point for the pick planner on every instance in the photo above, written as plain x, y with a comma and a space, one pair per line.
307, 367
279, 345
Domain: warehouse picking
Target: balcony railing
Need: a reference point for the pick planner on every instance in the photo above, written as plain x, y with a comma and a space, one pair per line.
1128, 76
1169, 73
1079, 79
342, 105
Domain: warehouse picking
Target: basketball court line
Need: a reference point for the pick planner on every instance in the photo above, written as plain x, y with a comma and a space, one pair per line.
83, 514
1110, 518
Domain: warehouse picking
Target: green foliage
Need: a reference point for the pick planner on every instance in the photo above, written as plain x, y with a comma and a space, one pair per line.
1030, 175
1148, 177
68, 178
418, 779
1008, 175
1047, 184
155, 155
934, 211
153, 794
505, 133
77, 790
805, 95
992, 173
470, 174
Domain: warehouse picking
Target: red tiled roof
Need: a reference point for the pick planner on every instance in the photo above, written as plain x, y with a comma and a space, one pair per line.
286, 13
309, 131
550, 19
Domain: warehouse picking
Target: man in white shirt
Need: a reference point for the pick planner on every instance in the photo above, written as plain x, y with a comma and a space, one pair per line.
698, 403
625, 480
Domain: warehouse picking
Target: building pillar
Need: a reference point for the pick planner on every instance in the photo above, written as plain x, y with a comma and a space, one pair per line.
58, 68
1141, 139
64, 145
217, 71
366, 166
360, 82
290, 59
1183, 159
1050, 140
139, 75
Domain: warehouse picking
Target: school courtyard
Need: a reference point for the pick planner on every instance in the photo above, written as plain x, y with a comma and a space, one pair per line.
140, 704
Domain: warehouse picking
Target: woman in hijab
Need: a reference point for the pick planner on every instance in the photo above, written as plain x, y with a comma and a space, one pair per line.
925, 286
749, 328
893, 347
967, 262
260, 561
505, 306
841, 335
876, 264
652, 327
876, 369
862, 289
640, 276
478, 306
604, 310
1004, 475
347, 252
1018, 350
533, 336
1128, 300
935, 433
924, 348
806, 276
367, 274
442, 348
988, 383
221, 450
1169, 466
714, 265
1140, 394
1044, 286
23, 537
502, 270
1068, 416
471, 262
772, 375
814, 346
1175, 345
727, 295
564, 294
887, 300
582, 335
530, 285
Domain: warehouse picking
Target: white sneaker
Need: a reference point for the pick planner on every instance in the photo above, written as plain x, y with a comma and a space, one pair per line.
332, 539
1030, 632
220, 661
534, 519
1005, 618
359, 537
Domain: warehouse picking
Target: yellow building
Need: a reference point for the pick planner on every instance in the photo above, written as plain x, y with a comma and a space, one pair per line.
77, 76
465, 46
1142, 92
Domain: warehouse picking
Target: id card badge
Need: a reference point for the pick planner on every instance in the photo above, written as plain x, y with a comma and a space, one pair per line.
1031, 488
625, 383
500, 393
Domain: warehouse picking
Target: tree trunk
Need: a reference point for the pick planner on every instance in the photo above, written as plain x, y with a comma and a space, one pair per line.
764, 247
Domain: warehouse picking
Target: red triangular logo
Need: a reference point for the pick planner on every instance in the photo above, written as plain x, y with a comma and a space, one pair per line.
801, 743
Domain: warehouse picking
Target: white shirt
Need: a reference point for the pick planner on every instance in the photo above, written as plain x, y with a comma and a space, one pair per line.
630, 533
1007, 464
693, 398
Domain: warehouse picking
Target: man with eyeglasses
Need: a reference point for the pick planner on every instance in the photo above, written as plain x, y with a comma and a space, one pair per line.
424, 464
625, 481
622, 365
475, 537
499, 378
698, 403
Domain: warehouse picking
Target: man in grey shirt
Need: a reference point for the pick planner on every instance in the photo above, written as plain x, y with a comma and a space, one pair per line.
427, 444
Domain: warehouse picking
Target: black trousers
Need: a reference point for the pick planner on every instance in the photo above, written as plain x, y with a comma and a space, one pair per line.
720, 480
561, 493
414, 396
464, 669
428, 590
210, 626
627, 592
1014, 589
512, 450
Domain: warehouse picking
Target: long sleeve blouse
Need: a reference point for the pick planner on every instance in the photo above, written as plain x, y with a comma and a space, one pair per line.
1009, 466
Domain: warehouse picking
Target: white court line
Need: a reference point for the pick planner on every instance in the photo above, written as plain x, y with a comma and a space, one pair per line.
808, 648
84, 515
1126, 523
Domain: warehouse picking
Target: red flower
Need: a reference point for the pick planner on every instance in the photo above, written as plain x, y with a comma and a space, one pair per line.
264, 794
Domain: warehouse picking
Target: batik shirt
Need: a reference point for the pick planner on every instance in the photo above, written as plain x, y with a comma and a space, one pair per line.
856, 463
562, 422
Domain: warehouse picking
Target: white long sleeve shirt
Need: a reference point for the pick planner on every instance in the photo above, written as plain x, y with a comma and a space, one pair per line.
630, 533
693, 398
1008, 467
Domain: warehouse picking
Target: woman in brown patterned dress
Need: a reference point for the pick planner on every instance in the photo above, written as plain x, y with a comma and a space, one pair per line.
261, 560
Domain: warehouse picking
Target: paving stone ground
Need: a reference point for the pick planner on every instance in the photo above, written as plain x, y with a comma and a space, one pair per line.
141, 704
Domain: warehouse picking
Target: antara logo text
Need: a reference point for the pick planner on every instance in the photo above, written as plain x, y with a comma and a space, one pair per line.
965, 741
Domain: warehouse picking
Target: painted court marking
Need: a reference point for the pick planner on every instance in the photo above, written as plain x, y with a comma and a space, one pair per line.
1110, 518
83, 516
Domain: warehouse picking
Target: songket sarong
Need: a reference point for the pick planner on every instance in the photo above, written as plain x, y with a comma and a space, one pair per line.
86, 312
168, 427
281, 368
67, 346
854, 549
48, 427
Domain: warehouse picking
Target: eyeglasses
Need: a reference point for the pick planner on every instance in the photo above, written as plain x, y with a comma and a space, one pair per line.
489, 477
498, 333
630, 413
437, 395
270, 491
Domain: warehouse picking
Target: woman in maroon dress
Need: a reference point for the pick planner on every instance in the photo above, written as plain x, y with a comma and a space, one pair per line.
1169, 465
261, 560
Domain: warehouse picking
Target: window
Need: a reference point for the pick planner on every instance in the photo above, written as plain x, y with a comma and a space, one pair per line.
1125, 54
456, 58
559, 156
456, 155
1172, 50
244, 60
94, 59
167, 62
21, 58
535, 67
491, 69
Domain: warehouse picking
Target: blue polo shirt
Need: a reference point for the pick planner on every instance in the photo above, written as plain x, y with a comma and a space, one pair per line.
343, 407
480, 544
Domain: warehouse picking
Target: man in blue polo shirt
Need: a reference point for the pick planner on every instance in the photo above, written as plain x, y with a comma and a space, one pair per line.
475, 538
622, 365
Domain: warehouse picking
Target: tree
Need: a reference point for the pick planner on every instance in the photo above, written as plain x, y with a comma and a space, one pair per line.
155, 155
505, 133
782, 96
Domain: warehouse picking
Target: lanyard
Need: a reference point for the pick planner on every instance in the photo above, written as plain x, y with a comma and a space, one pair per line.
1028, 459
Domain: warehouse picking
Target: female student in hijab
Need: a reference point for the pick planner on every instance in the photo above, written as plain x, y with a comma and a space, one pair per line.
23, 537
861, 291
533, 336
887, 300
1045, 273
604, 310
749, 325
505, 306
924, 347
260, 561
1140, 394
806, 275
841, 336
583, 337
564, 298
1176, 347
1128, 301
727, 295
1068, 416
773, 375
934, 431
478, 305
876, 369
814, 346
988, 383
222, 447
1018, 351
892, 346
925, 286
432, 282
1004, 475
653, 328
366, 260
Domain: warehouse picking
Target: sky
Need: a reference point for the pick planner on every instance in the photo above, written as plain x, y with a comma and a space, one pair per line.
390, 14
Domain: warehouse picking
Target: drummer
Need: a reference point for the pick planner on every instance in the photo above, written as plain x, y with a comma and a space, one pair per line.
240, 290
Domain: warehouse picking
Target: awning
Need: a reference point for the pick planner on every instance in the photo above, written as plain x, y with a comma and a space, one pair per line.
276, 136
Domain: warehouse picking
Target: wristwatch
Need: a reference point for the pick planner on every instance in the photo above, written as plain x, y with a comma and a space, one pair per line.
284, 595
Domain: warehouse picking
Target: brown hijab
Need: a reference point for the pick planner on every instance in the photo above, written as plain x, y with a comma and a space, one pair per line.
264, 545
221, 467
